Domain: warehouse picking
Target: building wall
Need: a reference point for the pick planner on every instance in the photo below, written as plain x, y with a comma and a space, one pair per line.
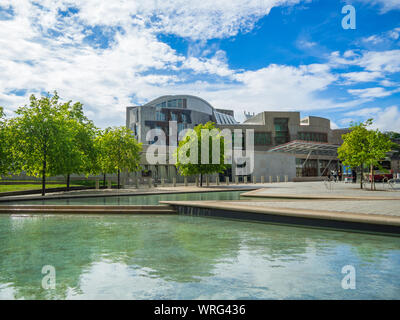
274, 164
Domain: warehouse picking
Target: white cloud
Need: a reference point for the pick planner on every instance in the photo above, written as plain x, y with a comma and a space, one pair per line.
384, 119
195, 19
40, 50
385, 5
383, 61
374, 61
367, 112
368, 93
388, 119
363, 76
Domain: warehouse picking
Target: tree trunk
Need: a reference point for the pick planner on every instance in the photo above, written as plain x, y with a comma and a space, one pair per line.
118, 178
104, 180
201, 179
373, 187
68, 179
361, 177
44, 177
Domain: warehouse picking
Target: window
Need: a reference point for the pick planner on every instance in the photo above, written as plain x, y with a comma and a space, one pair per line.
281, 130
181, 126
172, 103
281, 124
134, 129
174, 117
160, 116
313, 136
262, 138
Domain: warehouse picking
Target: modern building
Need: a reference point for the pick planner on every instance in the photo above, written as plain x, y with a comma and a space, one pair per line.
284, 144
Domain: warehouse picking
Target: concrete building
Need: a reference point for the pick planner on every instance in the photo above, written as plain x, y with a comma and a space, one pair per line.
284, 144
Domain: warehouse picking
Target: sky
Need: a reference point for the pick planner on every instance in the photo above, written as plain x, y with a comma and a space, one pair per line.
245, 55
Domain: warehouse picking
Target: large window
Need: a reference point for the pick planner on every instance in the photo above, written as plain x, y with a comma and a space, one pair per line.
181, 127
281, 126
262, 138
174, 103
160, 116
313, 136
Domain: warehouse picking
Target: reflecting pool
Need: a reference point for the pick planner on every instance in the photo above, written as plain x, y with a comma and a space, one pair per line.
150, 199
182, 257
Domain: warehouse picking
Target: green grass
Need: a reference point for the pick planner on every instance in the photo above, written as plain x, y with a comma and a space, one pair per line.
22, 187
28, 185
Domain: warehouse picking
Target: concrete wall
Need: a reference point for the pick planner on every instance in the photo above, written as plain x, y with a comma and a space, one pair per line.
274, 164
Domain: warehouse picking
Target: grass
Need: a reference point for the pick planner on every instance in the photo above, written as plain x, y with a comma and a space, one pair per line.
37, 186
22, 187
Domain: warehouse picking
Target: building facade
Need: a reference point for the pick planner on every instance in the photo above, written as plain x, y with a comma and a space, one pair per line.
284, 144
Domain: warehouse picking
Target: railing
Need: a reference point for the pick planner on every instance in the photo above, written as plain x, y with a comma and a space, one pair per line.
393, 184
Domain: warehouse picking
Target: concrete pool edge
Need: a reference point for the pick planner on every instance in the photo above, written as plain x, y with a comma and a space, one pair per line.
302, 217
256, 194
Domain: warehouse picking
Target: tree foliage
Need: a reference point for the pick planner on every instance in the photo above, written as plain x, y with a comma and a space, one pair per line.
39, 137
191, 147
118, 150
362, 147
79, 147
4, 154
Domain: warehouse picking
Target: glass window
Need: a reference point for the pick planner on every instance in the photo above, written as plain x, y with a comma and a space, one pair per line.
174, 116
313, 136
281, 130
160, 116
181, 126
281, 124
172, 103
262, 138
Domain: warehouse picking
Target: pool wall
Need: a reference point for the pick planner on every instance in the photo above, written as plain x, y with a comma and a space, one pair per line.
278, 218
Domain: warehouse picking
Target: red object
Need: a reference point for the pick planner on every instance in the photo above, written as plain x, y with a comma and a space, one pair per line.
380, 177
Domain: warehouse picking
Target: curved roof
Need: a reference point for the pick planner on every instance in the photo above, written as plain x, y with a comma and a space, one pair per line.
179, 96
192, 103
196, 104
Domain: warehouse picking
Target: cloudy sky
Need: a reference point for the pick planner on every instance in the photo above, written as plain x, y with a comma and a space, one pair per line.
246, 55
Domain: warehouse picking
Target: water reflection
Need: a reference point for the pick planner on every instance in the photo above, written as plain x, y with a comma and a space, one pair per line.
139, 199
188, 257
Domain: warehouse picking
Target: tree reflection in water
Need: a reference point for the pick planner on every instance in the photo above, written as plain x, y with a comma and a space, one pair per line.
173, 249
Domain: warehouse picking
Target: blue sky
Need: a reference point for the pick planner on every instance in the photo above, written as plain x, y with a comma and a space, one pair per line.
246, 55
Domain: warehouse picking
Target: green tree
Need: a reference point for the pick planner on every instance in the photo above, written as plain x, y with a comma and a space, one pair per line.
78, 147
362, 147
5, 160
118, 150
378, 147
189, 152
38, 137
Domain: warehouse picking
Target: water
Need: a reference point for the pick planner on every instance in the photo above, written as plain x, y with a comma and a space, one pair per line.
152, 199
181, 257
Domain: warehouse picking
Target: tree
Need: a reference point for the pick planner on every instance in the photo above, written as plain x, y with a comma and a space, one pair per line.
363, 147
38, 137
5, 160
189, 152
118, 150
78, 148
378, 147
